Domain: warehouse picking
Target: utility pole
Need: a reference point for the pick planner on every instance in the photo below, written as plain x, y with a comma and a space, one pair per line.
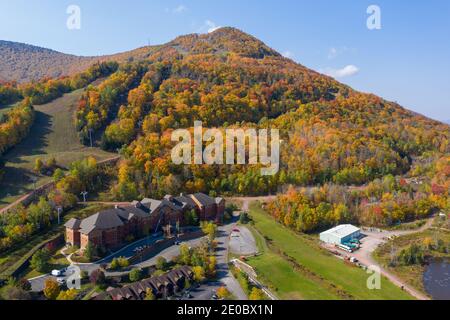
59, 209
90, 137
34, 180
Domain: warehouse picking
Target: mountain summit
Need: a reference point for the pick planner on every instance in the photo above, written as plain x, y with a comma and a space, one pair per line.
23, 62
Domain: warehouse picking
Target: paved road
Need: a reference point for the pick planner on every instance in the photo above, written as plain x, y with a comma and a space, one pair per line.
223, 270
38, 283
205, 291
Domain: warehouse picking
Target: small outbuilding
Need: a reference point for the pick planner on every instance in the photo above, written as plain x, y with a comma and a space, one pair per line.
341, 234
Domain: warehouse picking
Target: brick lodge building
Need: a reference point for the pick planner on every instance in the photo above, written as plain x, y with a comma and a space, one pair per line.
110, 228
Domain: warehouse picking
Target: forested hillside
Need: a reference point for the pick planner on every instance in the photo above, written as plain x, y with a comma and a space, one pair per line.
333, 136
331, 133
24, 63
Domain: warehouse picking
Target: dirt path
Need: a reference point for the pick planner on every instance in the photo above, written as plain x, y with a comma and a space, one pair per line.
247, 200
373, 241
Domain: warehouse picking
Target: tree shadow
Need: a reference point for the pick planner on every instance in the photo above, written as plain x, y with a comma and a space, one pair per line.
35, 142
14, 182
16, 179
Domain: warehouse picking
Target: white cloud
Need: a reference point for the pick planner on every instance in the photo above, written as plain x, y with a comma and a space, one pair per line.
180, 9
288, 54
334, 52
347, 71
211, 26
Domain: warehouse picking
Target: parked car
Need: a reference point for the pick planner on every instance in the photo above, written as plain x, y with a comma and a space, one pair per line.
57, 273
61, 280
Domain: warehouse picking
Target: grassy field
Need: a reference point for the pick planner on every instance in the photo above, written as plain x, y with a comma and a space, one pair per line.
284, 281
53, 135
57, 262
298, 268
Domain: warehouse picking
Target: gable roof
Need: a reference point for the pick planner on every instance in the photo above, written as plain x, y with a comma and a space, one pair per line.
107, 219
204, 199
134, 290
73, 224
186, 201
151, 204
154, 205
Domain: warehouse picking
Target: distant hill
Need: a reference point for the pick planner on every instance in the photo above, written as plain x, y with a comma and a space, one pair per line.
23, 62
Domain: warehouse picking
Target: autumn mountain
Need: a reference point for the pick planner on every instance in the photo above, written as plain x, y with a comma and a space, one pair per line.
332, 133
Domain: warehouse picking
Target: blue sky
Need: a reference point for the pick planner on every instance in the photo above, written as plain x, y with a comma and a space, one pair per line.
407, 61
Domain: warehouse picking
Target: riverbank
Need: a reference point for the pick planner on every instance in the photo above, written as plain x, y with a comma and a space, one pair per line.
412, 274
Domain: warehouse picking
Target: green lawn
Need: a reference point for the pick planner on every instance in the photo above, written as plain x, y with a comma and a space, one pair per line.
57, 261
53, 134
318, 268
282, 279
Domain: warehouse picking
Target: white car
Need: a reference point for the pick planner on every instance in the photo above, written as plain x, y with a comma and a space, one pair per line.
61, 281
56, 273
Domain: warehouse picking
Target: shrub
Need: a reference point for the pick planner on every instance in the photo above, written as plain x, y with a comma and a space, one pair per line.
68, 295
161, 263
257, 294
411, 256
97, 277
51, 289
149, 295
40, 260
223, 293
135, 275
244, 218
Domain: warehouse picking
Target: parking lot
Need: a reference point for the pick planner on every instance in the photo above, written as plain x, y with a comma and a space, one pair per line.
242, 242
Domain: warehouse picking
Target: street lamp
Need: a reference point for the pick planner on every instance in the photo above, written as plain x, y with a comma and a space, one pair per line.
84, 194
90, 137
